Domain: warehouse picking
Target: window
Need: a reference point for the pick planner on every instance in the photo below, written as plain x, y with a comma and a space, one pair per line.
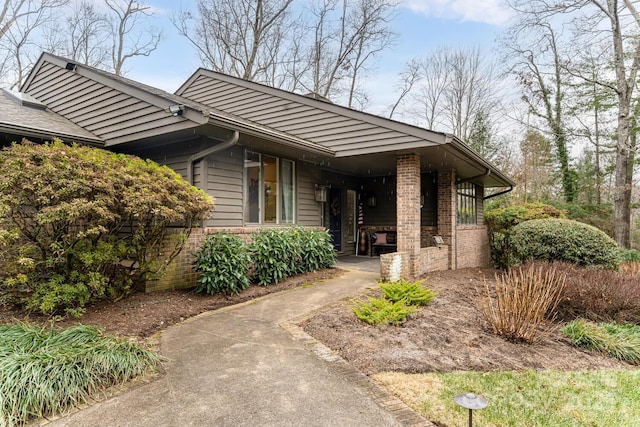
466, 206
269, 189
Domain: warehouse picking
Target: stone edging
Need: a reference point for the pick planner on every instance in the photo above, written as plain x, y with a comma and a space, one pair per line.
397, 408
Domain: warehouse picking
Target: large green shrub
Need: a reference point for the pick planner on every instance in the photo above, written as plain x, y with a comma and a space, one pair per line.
80, 223
500, 222
280, 253
223, 262
564, 240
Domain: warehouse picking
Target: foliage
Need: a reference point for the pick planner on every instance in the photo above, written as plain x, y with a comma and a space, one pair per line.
564, 240
500, 222
600, 216
280, 253
519, 301
620, 341
382, 310
523, 398
78, 223
223, 261
45, 372
599, 295
411, 293
630, 255
399, 300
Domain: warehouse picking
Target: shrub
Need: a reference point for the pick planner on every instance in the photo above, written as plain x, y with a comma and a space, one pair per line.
500, 222
599, 295
45, 372
600, 216
621, 342
280, 253
78, 223
411, 293
564, 240
519, 301
223, 261
381, 310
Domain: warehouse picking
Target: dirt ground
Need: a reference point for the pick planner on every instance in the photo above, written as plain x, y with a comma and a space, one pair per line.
447, 335
141, 315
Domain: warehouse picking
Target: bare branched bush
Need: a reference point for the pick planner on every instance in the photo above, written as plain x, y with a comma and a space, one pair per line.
518, 302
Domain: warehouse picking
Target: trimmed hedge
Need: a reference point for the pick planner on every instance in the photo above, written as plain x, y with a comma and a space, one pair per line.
564, 240
223, 262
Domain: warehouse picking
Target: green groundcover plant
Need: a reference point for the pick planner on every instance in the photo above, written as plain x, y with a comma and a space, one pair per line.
620, 341
47, 371
79, 224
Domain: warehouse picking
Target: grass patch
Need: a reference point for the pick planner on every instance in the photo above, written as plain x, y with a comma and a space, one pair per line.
618, 341
523, 398
46, 371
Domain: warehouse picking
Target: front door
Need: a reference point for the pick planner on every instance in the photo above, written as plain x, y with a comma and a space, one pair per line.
335, 217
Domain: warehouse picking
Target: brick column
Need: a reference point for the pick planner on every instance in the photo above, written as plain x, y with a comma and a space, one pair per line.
447, 213
408, 205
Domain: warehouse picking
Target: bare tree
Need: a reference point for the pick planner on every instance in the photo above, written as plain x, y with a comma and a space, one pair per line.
243, 38
408, 78
534, 50
88, 29
20, 23
617, 22
130, 36
432, 86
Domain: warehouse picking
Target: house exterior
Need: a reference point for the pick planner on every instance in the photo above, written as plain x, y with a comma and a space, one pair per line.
273, 158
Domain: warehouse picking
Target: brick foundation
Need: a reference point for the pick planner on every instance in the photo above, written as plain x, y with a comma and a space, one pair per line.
473, 247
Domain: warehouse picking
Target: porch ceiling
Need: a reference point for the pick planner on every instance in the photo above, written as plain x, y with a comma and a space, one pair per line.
439, 158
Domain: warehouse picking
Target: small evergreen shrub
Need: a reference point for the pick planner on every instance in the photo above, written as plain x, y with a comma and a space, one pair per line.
316, 249
564, 240
500, 222
620, 341
599, 295
518, 302
381, 310
411, 293
223, 263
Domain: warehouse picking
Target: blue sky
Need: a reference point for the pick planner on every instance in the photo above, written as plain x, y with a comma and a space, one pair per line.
422, 25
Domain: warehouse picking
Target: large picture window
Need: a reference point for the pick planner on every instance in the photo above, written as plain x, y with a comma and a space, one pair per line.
269, 189
466, 206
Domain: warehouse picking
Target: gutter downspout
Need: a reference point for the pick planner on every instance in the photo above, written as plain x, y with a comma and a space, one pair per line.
498, 194
231, 141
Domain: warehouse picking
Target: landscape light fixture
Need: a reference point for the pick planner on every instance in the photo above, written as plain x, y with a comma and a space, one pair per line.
70, 66
176, 110
471, 401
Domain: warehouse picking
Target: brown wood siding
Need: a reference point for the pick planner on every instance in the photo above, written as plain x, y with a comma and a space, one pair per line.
384, 190
326, 128
309, 211
224, 182
111, 114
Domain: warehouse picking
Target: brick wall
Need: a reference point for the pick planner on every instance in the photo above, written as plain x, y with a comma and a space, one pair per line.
395, 266
473, 247
447, 212
426, 235
179, 274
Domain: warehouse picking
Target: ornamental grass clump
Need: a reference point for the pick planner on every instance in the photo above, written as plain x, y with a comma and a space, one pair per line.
45, 372
620, 341
519, 301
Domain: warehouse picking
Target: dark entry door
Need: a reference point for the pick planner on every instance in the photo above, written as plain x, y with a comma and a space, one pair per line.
335, 217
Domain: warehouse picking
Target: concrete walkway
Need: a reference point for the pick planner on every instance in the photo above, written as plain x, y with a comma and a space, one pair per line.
249, 365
